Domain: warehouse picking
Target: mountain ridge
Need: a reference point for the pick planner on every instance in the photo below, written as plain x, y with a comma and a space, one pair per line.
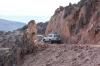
10, 25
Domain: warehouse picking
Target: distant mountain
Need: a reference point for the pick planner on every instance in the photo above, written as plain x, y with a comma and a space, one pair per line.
7, 25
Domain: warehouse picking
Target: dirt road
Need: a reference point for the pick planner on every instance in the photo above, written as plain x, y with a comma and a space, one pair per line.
65, 55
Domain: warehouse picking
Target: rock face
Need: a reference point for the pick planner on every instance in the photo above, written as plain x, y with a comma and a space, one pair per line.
15, 45
77, 23
5, 57
31, 31
41, 27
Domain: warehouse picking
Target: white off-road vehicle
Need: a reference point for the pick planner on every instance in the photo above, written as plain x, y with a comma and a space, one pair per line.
52, 38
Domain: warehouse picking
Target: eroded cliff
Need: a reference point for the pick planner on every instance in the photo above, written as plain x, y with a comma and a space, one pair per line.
77, 23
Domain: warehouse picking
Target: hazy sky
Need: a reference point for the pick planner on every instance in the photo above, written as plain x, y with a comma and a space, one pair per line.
25, 10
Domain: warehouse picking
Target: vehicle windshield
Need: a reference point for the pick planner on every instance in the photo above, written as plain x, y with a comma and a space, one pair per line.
56, 35
53, 35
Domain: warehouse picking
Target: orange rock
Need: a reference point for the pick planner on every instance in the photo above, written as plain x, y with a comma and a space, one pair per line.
80, 21
31, 31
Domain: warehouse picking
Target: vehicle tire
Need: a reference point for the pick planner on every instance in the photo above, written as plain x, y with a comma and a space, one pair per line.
44, 40
50, 41
58, 42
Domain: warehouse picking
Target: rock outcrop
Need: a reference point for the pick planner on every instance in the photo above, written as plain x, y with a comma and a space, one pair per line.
31, 31
41, 27
15, 45
77, 23
6, 57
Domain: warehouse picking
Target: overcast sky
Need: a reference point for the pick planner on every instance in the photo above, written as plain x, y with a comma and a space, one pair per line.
25, 10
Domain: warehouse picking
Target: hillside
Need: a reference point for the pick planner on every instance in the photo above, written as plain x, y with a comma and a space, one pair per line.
77, 23
6, 25
79, 28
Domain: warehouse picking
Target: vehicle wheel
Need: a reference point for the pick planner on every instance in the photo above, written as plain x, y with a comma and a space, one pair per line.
50, 41
44, 40
58, 42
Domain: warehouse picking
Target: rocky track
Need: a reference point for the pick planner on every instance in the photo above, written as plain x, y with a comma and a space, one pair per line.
65, 55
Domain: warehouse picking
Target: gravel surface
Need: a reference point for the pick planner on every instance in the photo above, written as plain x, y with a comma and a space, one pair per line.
65, 55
